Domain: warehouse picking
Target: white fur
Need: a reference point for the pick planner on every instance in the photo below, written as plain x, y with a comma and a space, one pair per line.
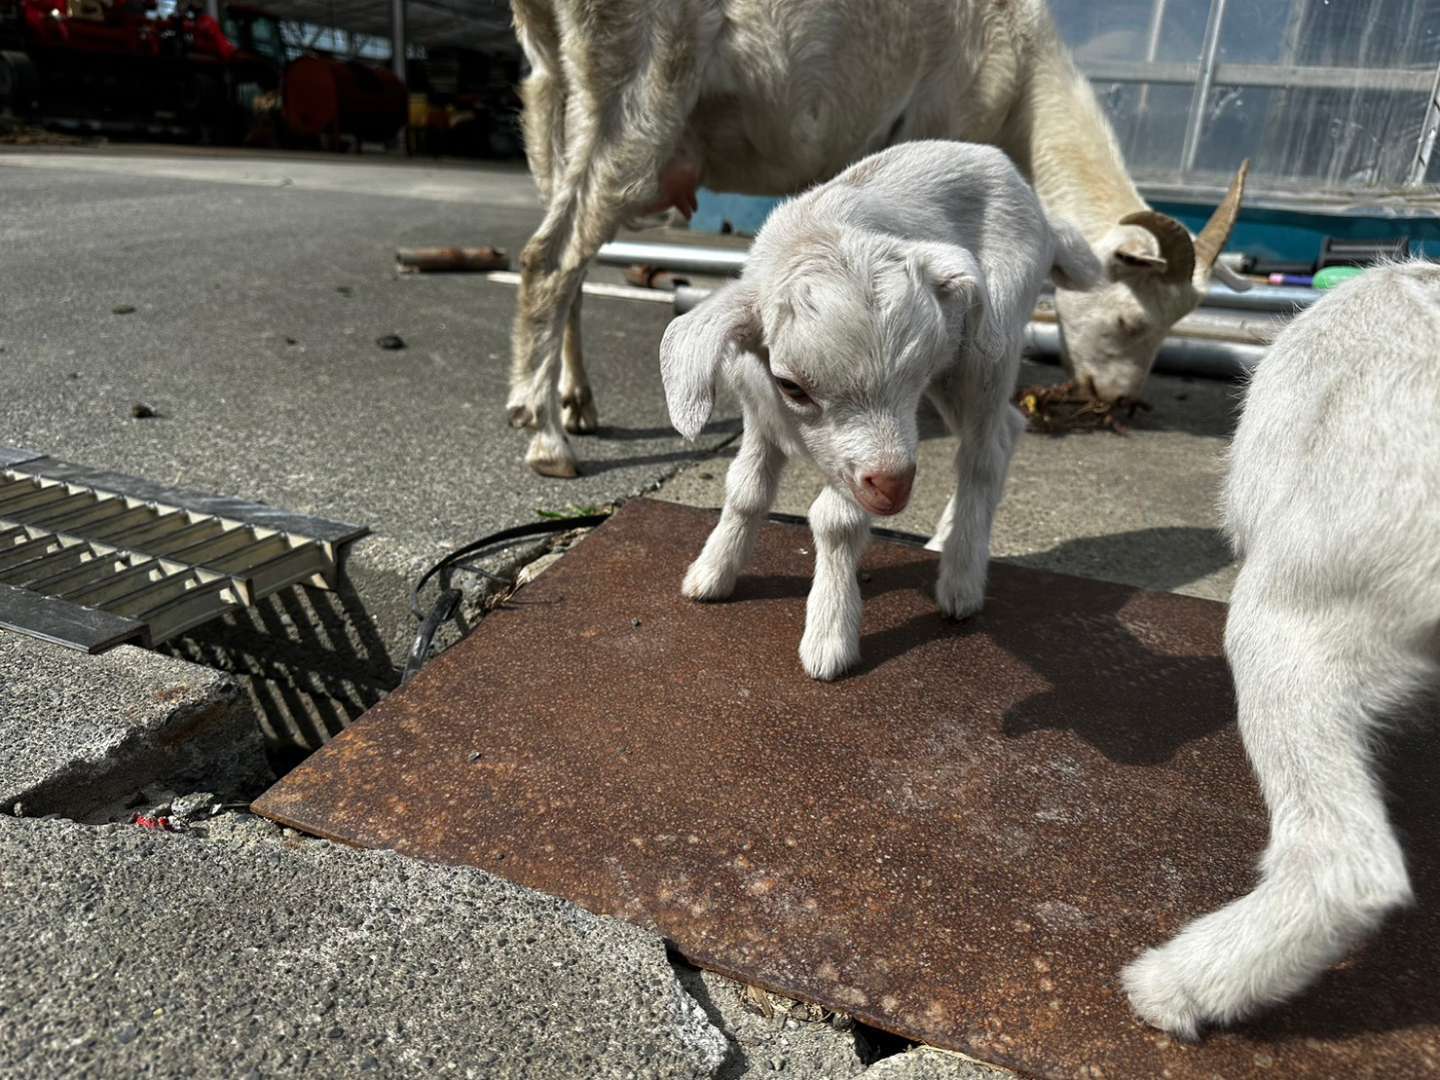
1333, 502
911, 273
632, 103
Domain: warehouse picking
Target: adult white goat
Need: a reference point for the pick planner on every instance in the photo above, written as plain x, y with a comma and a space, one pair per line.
1333, 503
911, 273
631, 104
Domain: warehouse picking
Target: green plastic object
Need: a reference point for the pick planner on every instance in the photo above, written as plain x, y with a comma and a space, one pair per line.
1334, 275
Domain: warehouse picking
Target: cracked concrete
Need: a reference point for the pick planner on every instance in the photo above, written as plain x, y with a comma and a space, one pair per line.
81, 732
776, 1044
240, 951
924, 1063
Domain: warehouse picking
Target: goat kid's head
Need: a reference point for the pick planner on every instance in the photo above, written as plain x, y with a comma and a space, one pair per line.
1155, 274
831, 347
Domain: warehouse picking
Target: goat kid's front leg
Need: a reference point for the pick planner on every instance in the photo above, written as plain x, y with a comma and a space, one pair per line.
963, 534
750, 488
831, 644
1311, 689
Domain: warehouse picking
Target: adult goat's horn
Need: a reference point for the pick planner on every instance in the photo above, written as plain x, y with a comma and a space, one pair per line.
1216, 234
1174, 240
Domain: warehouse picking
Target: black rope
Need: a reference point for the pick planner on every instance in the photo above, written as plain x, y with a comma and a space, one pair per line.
447, 604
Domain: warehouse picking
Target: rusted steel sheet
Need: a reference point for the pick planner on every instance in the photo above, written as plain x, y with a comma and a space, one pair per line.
962, 843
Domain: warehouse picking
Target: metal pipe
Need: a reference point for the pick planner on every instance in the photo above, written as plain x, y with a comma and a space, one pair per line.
1208, 54
698, 260
1178, 355
688, 298
1278, 299
397, 39
1152, 53
1429, 127
1283, 299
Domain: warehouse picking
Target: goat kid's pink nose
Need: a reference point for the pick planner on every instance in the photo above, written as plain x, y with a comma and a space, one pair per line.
890, 491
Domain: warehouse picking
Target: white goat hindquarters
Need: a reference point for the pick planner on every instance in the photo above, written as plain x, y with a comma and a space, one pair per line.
1333, 501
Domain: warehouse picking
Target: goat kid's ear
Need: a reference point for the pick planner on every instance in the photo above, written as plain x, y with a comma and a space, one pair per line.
697, 343
953, 274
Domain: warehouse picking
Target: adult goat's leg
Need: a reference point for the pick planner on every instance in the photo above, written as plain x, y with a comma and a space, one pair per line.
750, 488
1312, 683
543, 119
612, 168
577, 402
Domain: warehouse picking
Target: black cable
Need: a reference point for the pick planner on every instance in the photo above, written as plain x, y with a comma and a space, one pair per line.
447, 604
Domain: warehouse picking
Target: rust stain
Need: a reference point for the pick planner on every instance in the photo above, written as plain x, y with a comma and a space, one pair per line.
961, 843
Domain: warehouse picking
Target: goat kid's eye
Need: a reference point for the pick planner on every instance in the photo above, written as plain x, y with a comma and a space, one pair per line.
792, 390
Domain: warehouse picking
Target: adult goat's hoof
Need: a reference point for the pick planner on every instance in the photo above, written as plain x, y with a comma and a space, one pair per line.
551, 457
580, 415
520, 414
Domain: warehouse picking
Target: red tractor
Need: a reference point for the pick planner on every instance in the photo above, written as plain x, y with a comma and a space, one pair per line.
113, 65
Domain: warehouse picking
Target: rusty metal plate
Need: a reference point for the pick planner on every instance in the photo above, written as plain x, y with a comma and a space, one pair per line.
961, 843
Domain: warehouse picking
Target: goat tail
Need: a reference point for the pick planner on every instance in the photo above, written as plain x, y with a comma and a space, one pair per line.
1076, 265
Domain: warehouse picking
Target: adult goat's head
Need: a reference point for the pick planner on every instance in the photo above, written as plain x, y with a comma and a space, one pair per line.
1155, 275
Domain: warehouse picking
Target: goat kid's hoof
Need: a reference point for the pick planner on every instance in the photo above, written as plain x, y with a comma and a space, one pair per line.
551, 457
1155, 983
828, 656
959, 598
580, 415
706, 581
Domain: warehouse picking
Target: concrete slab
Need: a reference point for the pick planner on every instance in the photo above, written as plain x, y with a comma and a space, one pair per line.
127, 952
769, 1036
260, 284
1141, 509
929, 1064
81, 732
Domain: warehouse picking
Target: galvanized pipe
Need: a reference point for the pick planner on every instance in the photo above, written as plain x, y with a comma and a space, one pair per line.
721, 262
1178, 355
397, 40
1209, 357
1200, 99
1277, 299
698, 260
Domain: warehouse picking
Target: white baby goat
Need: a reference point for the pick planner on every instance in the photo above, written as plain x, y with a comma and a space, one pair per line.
1333, 502
912, 272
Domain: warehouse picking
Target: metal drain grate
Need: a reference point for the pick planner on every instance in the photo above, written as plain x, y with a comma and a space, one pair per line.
93, 559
